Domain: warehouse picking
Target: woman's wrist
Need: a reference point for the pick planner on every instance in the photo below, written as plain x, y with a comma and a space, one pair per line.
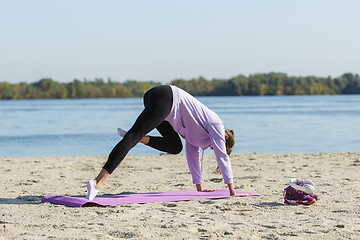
231, 189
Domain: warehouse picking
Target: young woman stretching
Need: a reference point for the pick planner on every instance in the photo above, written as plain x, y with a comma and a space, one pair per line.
172, 111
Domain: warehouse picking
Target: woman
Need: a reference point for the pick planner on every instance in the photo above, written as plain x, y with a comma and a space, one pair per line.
172, 111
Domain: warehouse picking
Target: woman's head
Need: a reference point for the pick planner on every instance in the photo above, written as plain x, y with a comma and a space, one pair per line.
229, 140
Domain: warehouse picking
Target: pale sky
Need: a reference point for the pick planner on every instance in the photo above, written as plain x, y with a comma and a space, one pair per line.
166, 40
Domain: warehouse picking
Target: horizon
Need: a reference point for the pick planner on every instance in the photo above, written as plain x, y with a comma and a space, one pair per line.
168, 82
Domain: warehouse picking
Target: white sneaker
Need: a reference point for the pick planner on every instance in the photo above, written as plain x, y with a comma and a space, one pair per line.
121, 132
92, 190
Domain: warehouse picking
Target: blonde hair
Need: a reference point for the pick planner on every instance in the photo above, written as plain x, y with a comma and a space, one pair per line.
230, 141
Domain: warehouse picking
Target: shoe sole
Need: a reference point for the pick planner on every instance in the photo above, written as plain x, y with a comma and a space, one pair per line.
296, 202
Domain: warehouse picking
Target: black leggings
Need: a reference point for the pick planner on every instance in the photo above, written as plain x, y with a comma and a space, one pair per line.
158, 103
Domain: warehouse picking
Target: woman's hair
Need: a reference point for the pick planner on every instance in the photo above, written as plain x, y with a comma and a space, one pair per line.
230, 141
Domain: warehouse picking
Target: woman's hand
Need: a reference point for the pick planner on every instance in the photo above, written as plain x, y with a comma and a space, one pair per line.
209, 190
200, 189
233, 193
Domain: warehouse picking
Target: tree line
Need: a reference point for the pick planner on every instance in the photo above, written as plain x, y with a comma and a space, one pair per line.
253, 85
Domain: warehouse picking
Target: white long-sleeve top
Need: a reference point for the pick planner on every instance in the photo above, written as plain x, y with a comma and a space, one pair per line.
201, 128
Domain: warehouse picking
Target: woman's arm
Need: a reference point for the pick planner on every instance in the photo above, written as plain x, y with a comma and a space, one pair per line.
217, 138
192, 157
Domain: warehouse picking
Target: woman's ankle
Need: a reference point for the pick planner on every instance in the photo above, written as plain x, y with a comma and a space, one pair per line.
101, 178
145, 140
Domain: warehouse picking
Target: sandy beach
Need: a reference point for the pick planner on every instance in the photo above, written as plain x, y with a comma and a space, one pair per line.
25, 181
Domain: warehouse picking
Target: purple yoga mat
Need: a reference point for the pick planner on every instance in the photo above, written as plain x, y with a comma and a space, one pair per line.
171, 196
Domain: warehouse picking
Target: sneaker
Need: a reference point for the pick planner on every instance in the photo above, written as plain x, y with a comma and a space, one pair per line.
302, 183
92, 190
293, 196
121, 132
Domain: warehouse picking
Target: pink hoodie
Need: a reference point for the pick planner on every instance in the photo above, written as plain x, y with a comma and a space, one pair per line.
201, 128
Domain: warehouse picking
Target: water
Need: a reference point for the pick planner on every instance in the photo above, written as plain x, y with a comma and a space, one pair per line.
268, 124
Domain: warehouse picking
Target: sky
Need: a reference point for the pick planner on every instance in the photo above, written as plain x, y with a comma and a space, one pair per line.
158, 40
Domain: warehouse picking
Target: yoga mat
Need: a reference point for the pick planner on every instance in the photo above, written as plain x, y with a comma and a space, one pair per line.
172, 196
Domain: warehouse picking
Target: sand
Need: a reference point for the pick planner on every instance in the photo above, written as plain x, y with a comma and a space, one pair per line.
24, 181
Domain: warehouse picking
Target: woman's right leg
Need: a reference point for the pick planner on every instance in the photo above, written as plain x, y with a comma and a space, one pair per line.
159, 103
158, 107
